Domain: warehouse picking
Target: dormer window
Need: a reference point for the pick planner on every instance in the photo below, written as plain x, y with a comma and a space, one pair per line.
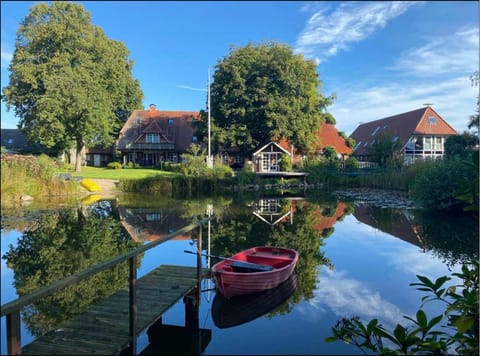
138, 121
153, 138
375, 131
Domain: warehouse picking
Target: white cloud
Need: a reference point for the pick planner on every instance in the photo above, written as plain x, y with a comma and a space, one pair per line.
348, 297
328, 33
453, 99
190, 88
457, 53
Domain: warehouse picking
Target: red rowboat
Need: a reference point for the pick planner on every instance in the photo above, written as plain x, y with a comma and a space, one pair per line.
254, 270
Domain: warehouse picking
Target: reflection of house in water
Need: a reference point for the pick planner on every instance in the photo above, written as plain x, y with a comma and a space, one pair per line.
149, 224
326, 222
395, 222
275, 210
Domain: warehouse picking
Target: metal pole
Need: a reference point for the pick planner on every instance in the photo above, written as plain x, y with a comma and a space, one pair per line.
209, 157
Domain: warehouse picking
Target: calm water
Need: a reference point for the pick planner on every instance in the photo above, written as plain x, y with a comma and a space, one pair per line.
355, 260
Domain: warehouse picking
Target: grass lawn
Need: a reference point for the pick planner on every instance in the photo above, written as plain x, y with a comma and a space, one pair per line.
101, 172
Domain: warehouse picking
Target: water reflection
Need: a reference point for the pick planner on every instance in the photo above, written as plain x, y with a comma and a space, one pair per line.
55, 244
60, 244
454, 239
243, 309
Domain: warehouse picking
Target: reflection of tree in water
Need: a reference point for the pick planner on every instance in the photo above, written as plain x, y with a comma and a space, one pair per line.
245, 230
65, 243
454, 239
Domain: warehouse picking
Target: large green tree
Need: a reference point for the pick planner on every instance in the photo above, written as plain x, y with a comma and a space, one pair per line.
70, 85
263, 92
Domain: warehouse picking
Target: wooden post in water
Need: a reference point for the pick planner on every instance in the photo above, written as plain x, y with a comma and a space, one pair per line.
133, 305
13, 333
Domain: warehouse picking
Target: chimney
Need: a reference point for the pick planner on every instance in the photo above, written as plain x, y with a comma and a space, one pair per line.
153, 107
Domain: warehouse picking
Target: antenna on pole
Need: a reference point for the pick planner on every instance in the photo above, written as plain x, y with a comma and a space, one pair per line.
209, 157
427, 104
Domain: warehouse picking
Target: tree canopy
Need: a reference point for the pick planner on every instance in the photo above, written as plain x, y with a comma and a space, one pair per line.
70, 85
264, 92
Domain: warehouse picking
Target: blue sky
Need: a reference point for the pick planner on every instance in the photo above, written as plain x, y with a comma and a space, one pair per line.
380, 58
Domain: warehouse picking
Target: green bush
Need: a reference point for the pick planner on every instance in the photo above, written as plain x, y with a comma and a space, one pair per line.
114, 165
285, 163
351, 163
436, 187
48, 167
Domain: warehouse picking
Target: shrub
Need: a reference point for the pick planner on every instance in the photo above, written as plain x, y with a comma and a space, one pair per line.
351, 163
436, 187
285, 163
114, 165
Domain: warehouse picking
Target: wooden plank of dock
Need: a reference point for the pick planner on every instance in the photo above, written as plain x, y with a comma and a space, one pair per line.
103, 328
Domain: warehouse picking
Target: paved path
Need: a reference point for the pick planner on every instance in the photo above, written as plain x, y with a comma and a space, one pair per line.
109, 187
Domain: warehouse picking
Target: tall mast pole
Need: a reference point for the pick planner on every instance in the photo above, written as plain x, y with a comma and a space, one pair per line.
209, 158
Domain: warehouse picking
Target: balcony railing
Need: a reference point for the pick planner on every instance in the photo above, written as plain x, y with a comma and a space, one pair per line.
150, 146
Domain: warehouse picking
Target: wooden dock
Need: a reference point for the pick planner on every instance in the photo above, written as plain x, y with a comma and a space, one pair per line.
103, 329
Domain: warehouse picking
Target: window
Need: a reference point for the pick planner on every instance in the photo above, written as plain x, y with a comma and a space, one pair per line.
138, 121
358, 144
432, 120
153, 138
375, 131
395, 139
10, 141
152, 217
427, 143
170, 121
194, 139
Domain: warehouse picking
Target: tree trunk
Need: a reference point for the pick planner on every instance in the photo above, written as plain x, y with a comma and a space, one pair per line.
78, 159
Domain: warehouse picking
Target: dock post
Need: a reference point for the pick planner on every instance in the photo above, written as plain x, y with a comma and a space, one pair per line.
133, 305
13, 333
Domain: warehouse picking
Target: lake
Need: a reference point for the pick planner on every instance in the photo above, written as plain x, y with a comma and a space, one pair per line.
357, 258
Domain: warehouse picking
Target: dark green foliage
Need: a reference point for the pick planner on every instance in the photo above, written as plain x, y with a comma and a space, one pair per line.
70, 85
438, 187
264, 92
62, 244
285, 163
351, 163
385, 150
460, 146
461, 317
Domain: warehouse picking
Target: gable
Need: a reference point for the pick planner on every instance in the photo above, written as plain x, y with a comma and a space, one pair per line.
271, 147
401, 127
173, 126
433, 124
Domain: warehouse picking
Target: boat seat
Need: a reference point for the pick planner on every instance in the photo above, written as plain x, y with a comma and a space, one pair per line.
239, 266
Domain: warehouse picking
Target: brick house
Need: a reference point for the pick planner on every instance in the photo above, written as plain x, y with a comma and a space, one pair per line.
422, 134
150, 137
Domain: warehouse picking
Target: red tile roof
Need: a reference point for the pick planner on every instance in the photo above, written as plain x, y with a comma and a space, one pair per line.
402, 126
327, 135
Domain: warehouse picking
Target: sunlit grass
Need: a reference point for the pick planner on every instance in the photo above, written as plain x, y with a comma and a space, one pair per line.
137, 173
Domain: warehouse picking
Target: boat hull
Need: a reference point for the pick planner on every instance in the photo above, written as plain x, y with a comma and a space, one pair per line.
231, 283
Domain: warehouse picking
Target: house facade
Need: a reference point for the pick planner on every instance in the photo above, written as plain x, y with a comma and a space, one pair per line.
267, 158
150, 137
421, 133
